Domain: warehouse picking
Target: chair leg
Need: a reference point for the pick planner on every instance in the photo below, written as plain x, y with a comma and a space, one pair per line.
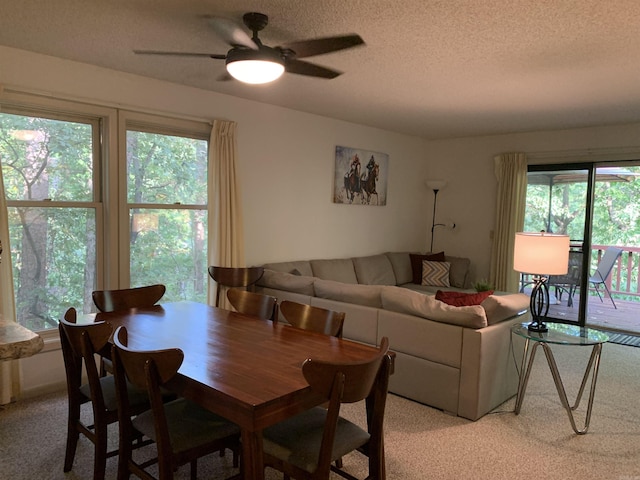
72, 436
609, 293
194, 469
598, 292
100, 453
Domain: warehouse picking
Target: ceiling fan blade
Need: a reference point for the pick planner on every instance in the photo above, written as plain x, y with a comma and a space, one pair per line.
305, 68
318, 46
232, 33
180, 54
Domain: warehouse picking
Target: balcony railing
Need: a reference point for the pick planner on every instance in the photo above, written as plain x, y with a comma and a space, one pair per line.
625, 276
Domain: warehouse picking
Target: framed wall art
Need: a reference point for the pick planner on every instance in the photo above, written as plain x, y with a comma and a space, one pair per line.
360, 177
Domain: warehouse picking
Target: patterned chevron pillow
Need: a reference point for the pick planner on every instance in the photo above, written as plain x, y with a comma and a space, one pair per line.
435, 274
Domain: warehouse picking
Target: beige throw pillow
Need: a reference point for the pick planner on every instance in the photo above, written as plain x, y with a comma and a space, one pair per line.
435, 274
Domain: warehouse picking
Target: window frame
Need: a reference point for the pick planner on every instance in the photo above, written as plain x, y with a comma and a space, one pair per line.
143, 122
110, 170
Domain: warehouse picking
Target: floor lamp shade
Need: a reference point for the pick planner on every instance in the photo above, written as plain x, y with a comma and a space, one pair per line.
541, 255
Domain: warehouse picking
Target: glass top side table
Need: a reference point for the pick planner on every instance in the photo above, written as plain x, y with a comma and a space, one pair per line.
561, 334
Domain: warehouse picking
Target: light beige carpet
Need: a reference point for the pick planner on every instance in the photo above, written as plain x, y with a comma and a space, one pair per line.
422, 443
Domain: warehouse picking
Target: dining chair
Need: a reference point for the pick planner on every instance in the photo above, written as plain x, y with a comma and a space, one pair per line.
79, 345
124, 299
234, 277
313, 318
255, 304
305, 446
605, 265
182, 430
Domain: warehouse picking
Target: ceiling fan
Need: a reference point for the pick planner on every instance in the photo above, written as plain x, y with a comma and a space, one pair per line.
250, 61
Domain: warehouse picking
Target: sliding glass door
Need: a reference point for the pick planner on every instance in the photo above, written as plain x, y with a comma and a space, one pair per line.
598, 206
557, 202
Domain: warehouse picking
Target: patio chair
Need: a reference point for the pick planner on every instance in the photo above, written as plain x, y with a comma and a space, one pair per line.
570, 281
603, 271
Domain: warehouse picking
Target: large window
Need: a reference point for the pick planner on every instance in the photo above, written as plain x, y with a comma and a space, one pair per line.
101, 199
48, 169
167, 203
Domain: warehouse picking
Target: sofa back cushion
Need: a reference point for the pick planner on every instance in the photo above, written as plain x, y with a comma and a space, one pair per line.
301, 267
407, 301
502, 307
288, 282
458, 271
339, 269
368, 295
374, 270
401, 264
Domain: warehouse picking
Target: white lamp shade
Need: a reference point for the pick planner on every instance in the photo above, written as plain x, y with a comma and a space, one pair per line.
541, 253
255, 71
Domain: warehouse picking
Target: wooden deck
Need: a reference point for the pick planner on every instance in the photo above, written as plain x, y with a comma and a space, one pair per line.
625, 318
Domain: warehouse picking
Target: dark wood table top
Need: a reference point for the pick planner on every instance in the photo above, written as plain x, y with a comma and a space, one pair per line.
243, 368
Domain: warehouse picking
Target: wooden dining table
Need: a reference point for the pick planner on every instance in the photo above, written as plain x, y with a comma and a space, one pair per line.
243, 368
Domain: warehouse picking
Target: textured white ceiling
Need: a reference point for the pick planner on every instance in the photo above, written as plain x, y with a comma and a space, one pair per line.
432, 68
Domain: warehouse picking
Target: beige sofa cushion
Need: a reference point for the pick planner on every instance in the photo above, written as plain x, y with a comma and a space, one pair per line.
368, 295
401, 264
413, 303
374, 270
340, 270
500, 307
459, 271
300, 267
288, 282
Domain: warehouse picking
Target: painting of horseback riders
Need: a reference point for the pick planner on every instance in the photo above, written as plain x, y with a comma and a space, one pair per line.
360, 177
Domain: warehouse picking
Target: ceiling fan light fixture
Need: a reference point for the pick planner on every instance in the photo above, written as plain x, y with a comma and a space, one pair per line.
249, 66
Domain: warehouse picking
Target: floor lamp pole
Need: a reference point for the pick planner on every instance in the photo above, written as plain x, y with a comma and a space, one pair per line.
433, 221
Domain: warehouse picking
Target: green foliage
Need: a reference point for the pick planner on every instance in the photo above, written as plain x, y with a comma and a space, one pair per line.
483, 285
53, 244
616, 216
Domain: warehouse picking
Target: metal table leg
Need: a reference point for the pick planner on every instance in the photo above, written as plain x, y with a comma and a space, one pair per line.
592, 366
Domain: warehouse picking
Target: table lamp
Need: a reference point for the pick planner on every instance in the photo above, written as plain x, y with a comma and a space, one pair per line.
540, 254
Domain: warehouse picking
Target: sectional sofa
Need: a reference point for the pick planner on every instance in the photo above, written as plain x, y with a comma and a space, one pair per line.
459, 359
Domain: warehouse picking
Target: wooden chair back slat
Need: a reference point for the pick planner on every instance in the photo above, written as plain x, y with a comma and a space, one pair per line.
312, 318
255, 304
124, 299
234, 277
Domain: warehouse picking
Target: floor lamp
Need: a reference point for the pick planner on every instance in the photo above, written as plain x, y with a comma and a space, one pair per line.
436, 186
540, 254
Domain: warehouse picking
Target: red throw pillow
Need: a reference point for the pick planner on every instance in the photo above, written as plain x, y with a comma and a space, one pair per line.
416, 264
461, 299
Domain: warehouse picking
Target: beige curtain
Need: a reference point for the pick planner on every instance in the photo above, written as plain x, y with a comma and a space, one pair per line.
511, 172
226, 233
9, 370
